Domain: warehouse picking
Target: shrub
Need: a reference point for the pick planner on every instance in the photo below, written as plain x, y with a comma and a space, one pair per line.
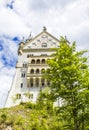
30, 105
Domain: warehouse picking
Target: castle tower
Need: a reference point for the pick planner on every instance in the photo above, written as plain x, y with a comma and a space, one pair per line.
32, 60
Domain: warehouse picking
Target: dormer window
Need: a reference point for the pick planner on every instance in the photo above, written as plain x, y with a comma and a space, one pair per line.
44, 44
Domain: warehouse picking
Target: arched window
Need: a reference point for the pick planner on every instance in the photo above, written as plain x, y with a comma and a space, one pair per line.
31, 82
32, 61
42, 71
43, 82
32, 71
43, 61
38, 61
37, 71
37, 82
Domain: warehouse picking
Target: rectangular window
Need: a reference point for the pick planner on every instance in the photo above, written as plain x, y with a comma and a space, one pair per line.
31, 96
18, 96
44, 44
44, 36
38, 40
21, 85
31, 84
54, 43
23, 74
43, 54
24, 65
28, 56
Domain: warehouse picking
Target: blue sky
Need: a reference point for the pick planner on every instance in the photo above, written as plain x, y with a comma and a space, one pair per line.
20, 17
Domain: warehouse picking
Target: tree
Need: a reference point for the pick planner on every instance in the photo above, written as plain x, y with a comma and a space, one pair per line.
69, 77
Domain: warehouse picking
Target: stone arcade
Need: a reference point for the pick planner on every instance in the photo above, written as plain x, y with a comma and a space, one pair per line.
32, 60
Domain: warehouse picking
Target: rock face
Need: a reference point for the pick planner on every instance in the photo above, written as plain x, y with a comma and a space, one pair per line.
8, 128
4, 127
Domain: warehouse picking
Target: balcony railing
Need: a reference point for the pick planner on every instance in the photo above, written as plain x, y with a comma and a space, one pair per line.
34, 74
30, 64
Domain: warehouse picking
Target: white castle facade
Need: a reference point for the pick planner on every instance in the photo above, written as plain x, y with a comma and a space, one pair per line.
32, 60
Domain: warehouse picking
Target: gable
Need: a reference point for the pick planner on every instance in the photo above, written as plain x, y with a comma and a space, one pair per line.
42, 40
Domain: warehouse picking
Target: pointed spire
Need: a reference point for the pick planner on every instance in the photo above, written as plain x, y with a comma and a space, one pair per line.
30, 36
67, 39
44, 29
23, 40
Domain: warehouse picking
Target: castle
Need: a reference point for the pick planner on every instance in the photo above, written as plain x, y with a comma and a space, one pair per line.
32, 60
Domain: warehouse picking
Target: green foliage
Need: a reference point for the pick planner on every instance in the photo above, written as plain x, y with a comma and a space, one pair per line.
30, 105
69, 77
23, 117
43, 101
3, 117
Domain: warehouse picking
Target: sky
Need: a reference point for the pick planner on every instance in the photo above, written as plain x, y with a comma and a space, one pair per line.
19, 18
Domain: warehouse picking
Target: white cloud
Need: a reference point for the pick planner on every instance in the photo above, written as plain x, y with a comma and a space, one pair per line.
11, 23
6, 76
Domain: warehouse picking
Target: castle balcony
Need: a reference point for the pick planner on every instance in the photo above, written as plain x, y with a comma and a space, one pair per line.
38, 62
34, 75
